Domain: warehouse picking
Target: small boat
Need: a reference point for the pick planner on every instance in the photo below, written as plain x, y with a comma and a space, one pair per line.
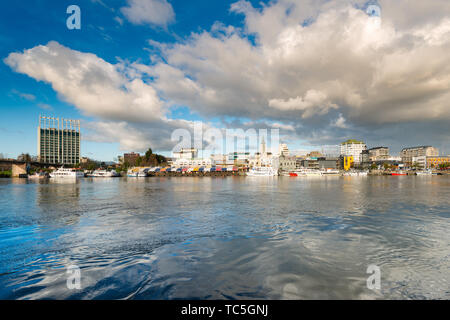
262, 172
67, 174
143, 173
399, 173
133, 173
39, 175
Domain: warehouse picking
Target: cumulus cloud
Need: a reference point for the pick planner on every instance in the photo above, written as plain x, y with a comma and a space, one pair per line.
93, 85
325, 69
153, 12
129, 110
311, 61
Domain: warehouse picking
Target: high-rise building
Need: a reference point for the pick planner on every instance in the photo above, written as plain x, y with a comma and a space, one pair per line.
353, 148
59, 141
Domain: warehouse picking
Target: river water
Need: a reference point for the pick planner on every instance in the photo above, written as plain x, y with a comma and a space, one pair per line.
226, 238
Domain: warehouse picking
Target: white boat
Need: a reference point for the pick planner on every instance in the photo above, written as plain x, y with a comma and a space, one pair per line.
262, 172
67, 173
104, 173
330, 171
143, 173
356, 173
133, 173
305, 172
424, 173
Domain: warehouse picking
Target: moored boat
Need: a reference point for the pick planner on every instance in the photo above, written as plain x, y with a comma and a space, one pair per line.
67, 173
262, 172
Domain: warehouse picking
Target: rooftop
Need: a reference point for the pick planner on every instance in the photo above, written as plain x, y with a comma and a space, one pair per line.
352, 141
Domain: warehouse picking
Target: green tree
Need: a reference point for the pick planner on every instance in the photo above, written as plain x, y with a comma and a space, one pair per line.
148, 154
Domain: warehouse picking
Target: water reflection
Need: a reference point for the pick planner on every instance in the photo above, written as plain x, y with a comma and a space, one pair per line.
226, 238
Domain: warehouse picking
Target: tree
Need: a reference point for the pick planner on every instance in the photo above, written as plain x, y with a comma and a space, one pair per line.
138, 161
25, 157
148, 154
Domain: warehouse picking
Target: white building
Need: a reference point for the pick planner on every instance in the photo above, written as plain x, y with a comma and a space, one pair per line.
193, 163
353, 148
283, 150
186, 154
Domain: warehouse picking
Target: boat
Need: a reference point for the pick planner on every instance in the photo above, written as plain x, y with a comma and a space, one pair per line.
305, 172
262, 172
399, 173
143, 173
330, 171
133, 173
104, 174
39, 175
424, 173
67, 173
355, 173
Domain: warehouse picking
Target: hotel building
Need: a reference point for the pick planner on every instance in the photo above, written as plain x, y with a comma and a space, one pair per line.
59, 141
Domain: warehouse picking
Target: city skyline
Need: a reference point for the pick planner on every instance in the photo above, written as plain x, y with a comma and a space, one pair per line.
217, 65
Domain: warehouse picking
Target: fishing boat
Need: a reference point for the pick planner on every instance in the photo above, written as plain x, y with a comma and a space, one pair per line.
67, 173
262, 172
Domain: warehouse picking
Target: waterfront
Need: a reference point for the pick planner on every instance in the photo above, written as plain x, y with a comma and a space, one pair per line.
226, 238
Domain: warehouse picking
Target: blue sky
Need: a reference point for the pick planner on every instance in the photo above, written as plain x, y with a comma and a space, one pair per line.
239, 64
24, 25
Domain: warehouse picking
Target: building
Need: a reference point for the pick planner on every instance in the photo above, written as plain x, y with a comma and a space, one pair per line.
425, 162
284, 163
131, 158
314, 154
353, 148
407, 154
59, 141
239, 158
190, 153
328, 163
193, 163
310, 163
283, 150
378, 154
262, 158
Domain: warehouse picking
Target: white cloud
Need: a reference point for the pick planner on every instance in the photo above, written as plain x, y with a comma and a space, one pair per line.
313, 60
26, 96
45, 106
153, 12
93, 85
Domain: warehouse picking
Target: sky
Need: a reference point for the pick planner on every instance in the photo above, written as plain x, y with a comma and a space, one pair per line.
319, 71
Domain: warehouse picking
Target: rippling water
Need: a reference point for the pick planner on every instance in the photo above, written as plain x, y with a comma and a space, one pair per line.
226, 238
